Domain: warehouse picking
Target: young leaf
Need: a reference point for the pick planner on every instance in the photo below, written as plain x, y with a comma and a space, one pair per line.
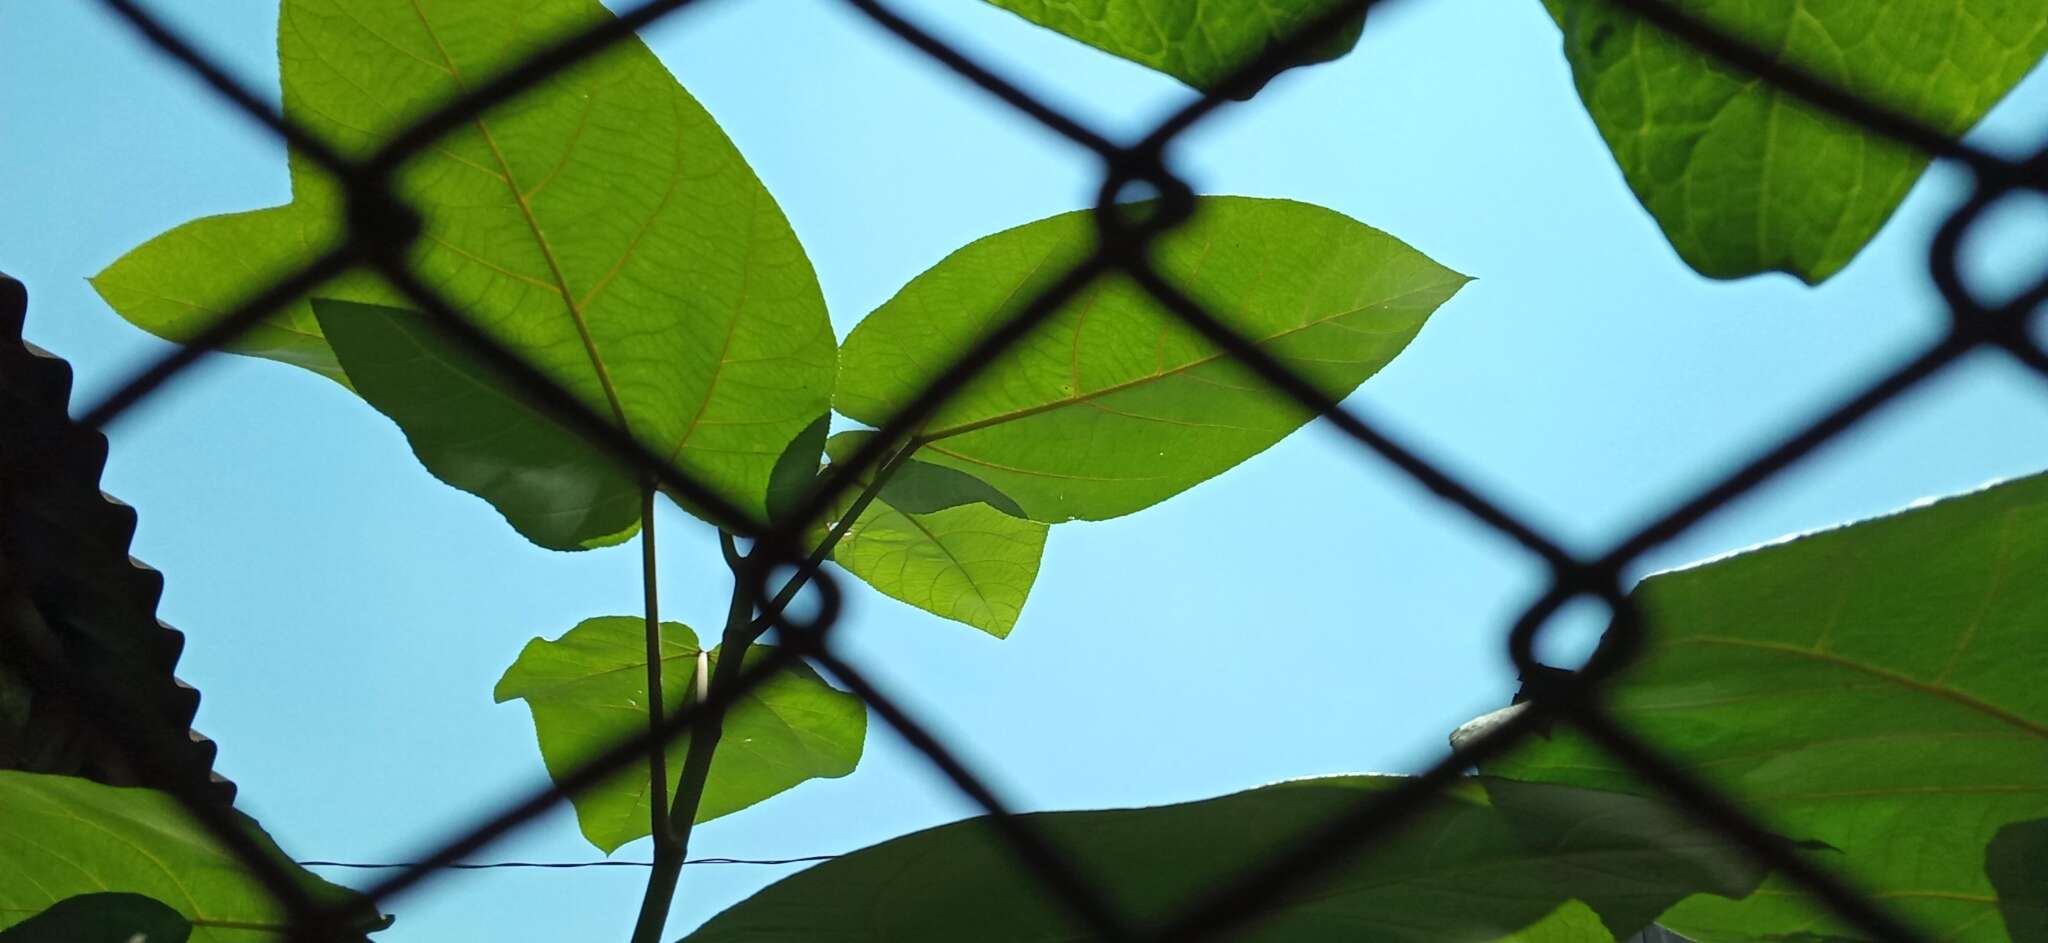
1200, 44
588, 690
102, 918
942, 541
1745, 178
62, 836
1478, 865
1875, 687
601, 224
476, 432
1114, 405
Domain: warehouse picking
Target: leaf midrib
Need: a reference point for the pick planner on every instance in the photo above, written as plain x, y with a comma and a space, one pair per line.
979, 593
1079, 398
547, 250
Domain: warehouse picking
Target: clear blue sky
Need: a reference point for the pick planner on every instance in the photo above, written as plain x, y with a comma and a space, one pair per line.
1309, 613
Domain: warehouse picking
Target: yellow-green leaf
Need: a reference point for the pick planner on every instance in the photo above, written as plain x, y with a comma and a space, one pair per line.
601, 224
942, 541
588, 691
1114, 405
61, 836
1745, 178
1201, 44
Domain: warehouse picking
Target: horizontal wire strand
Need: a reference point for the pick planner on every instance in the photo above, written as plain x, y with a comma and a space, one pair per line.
560, 865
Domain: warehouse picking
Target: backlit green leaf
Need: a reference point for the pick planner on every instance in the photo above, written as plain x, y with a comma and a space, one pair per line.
102, 918
1745, 178
964, 559
61, 836
588, 691
1114, 405
476, 432
1478, 864
1197, 43
602, 225
1877, 687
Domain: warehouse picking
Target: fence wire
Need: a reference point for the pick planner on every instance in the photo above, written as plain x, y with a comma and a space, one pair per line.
381, 228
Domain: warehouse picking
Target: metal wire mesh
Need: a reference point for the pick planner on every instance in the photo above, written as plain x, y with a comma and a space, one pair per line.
381, 228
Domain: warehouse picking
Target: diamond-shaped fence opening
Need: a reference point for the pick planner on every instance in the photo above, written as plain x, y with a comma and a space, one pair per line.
380, 228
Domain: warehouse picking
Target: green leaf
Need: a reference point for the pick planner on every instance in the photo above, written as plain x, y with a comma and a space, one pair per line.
969, 558
796, 470
1478, 864
1745, 178
62, 836
1875, 687
588, 691
2016, 861
1200, 44
919, 487
1114, 405
602, 225
475, 431
102, 918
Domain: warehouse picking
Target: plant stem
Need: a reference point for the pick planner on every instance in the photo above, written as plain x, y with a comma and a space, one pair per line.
665, 844
741, 631
824, 549
657, 755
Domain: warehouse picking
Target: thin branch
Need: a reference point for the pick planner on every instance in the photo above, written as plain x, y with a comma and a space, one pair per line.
823, 551
741, 632
667, 851
657, 752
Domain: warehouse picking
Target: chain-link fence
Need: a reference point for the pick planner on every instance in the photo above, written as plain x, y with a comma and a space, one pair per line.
381, 228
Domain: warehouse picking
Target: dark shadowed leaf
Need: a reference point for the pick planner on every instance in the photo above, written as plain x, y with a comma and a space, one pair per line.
61, 836
477, 432
1745, 178
102, 918
797, 469
1467, 870
2016, 861
970, 558
1197, 43
602, 225
1113, 405
920, 487
588, 691
1876, 687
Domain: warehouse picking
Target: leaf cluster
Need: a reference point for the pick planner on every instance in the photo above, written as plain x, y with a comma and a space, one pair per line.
1870, 691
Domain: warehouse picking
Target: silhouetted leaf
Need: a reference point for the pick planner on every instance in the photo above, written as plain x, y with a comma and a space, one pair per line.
1468, 869
61, 836
102, 918
969, 558
1114, 405
588, 691
2016, 861
797, 469
476, 432
601, 224
920, 487
1197, 43
1745, 178
1877, 687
